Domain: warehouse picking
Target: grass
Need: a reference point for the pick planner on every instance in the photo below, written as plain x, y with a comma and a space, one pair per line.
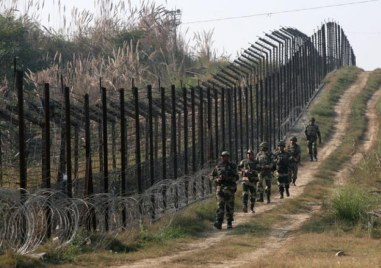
154, 240
351, 203
11, 260
324, 109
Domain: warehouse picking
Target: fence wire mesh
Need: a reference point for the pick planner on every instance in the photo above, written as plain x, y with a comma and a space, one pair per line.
102, 163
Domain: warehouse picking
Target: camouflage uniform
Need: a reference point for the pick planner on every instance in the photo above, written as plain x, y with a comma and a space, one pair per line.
248, 170
312, 133
283, 161
265, 166
225, 176
295, 152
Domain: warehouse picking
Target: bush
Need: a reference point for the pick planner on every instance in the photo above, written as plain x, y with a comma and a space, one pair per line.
351, 204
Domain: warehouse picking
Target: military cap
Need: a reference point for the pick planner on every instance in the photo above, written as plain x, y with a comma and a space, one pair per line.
294, 139
263, 144
281, 143
250, 151
225, 153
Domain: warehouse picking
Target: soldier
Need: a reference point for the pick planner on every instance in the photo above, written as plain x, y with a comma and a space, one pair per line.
225, 176
249, 175
283, 161
294, 150
265, 167
312, 132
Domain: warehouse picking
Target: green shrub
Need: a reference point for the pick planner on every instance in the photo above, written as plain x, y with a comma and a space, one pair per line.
351, 203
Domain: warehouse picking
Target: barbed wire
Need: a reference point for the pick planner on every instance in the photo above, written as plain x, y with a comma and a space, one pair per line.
31, 219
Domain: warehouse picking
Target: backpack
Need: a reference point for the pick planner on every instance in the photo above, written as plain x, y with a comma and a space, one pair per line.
312, 130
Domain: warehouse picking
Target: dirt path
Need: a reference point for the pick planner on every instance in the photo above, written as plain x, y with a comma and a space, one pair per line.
306, 175
369, 140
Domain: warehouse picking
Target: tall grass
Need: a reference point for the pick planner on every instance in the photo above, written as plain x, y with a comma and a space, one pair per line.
117, 41
351, 203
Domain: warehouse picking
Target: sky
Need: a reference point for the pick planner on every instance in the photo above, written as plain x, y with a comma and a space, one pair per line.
361, 22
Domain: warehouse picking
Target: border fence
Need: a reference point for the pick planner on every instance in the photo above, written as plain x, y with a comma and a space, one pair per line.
104, 163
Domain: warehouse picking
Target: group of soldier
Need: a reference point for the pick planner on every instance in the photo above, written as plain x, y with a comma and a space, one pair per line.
256, 173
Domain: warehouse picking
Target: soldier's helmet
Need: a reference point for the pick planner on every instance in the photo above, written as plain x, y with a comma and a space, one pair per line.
295, 139
225, 153
312, 119
263, 145
250, 151
281, 143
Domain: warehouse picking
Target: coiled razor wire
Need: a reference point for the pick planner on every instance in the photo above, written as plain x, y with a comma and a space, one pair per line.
30, 219
26, 219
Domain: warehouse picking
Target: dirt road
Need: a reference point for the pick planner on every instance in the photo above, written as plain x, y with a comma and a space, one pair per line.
306, 175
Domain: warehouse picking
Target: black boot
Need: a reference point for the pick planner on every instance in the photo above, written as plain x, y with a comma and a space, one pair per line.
311, 158
229, 225
260, 198
252, 208
244, 209
281, 195
287, 192
268, 198
218, 225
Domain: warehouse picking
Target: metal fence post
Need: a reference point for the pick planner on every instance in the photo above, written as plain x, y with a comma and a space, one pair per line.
247, 125
89, 190
223, 125
68, 142
123, 151
174, 131
230, 129
137, 140
185, 111
151, 148
185, 118
76, 155
46, 140
105, 140
252, 118
194, 165
163, 142
201, 127
105, 152
236, 115
22, 146
150, 133
113, 143
173, 140
217, 133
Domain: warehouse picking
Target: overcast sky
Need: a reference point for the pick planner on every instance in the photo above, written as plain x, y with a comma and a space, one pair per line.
361, 22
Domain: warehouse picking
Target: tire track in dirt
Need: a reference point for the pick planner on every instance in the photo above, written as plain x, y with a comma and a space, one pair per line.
306, 175
370, 138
